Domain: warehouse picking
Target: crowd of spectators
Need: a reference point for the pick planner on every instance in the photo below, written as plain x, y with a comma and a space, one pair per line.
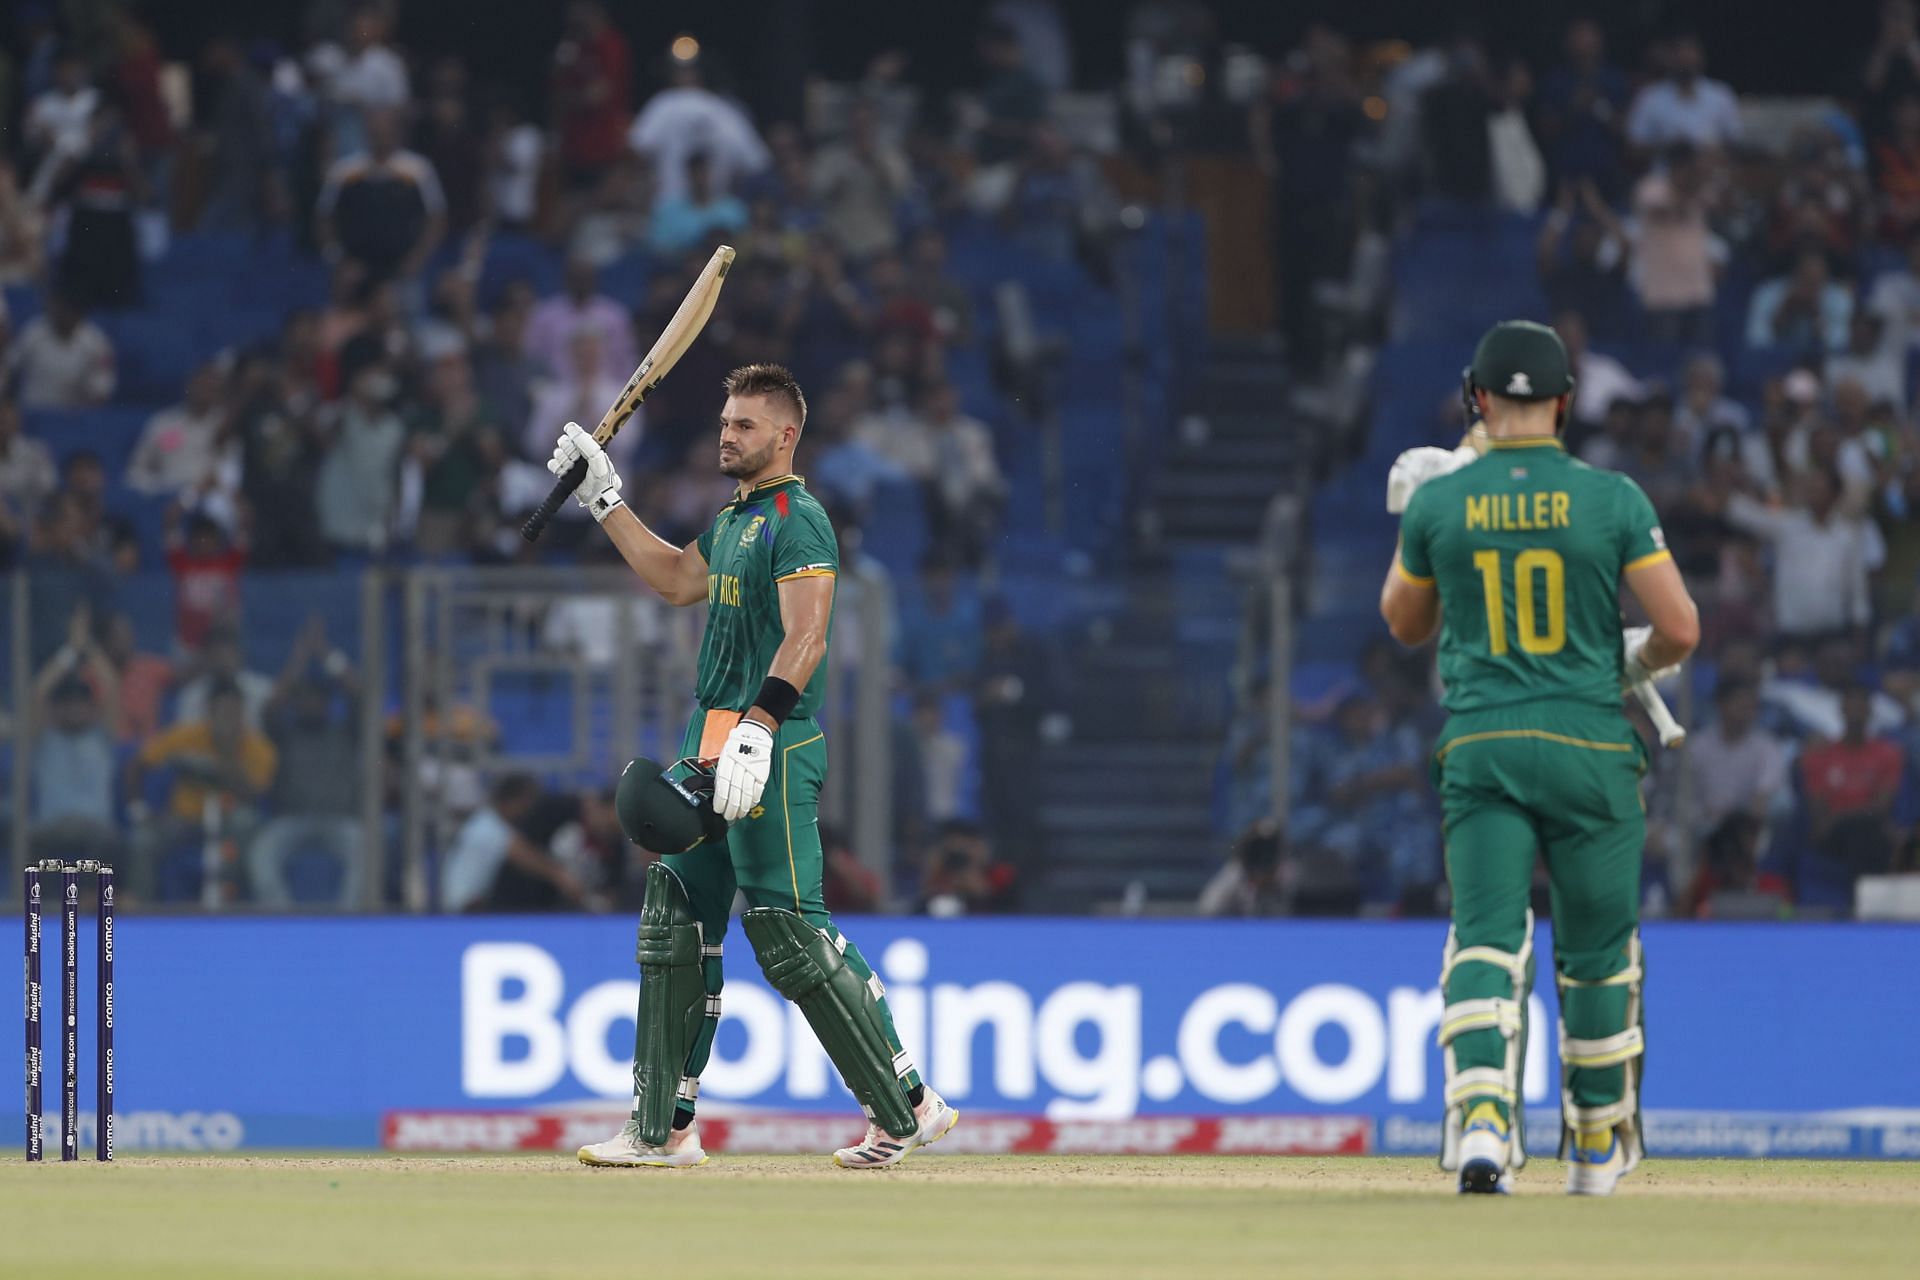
407, 417
1740, 306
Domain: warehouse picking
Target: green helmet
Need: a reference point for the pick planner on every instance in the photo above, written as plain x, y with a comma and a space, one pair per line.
667, 810
1521, 360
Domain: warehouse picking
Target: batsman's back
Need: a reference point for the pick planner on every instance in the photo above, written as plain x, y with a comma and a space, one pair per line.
1526, 547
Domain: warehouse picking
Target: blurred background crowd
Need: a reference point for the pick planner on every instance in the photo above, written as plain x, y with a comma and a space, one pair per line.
1110, 323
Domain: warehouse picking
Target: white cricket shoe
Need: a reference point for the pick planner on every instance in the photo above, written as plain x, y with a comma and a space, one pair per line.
881, 1150
625, 1150
1483, 1160
1595, 1171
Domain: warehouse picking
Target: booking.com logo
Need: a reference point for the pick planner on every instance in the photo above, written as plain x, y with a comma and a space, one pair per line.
1078, 1045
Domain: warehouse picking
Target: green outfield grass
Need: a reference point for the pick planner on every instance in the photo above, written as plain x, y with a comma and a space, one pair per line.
952, 1216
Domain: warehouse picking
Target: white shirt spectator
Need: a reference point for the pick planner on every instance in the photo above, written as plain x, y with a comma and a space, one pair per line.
513, 184
1815, 710
474, 861
59, 120
55, 372
1706, 115
375, 77
1519, 172
1895, 297
256, 690
590, 627
1819, 569
178, 451
27, 474
1749, 774
1599, 381
1674, 251
677, 123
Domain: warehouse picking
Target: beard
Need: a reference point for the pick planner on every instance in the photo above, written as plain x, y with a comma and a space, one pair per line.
746, 464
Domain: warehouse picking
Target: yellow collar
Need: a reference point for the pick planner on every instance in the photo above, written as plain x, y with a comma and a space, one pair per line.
1528, 442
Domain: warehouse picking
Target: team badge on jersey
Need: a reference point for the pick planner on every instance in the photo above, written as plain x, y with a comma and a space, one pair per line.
752, 530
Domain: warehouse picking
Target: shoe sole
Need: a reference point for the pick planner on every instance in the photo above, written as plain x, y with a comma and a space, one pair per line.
953, 1118
1481, 1178
594, 1162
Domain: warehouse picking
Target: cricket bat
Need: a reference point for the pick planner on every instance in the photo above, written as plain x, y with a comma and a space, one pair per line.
673, 342
1672, 732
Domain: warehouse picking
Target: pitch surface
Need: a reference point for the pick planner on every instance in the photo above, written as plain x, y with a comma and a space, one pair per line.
943, 1216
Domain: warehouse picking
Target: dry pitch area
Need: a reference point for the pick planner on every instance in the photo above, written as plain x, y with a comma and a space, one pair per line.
949, 1216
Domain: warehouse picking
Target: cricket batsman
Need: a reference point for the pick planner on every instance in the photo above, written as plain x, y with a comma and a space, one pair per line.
1515, 554
765, 570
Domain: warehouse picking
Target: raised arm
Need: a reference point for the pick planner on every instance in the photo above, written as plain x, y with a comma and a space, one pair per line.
678, 574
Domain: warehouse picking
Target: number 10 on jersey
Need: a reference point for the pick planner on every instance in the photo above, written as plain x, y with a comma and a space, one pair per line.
1529, 568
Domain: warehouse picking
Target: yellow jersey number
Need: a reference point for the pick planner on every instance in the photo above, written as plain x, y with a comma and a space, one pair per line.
1528, 567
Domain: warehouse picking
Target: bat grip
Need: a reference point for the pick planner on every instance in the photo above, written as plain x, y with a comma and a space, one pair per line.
537, 522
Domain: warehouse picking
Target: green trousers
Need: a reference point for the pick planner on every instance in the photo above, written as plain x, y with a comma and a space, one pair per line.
1561, 781
773, 856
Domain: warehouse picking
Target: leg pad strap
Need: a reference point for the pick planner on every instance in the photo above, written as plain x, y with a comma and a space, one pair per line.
1505, 1014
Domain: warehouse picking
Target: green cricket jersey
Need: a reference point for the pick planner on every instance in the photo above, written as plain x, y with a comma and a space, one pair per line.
1527, 547
774, 532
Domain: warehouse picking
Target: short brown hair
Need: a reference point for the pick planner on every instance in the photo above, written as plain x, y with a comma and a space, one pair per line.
769, 380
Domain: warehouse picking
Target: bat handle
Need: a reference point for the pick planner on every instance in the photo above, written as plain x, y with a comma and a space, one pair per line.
537, 522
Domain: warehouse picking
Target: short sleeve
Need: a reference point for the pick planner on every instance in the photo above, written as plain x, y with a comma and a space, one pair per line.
804, 545
1641, 540
1416, 551
705, 540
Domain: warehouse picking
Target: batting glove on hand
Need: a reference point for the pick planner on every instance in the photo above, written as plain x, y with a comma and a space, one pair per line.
1633, 668
1417, 466
740, 775
599, 492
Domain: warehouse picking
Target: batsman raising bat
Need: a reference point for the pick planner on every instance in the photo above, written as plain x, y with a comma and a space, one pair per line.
1516, 559
765, 569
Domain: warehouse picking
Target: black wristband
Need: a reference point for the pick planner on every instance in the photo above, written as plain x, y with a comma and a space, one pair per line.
777, 698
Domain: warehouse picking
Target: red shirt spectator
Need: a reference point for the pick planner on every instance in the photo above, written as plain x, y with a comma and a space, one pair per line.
1896, 169
206, 576
1854, 777
136, 79
591, 74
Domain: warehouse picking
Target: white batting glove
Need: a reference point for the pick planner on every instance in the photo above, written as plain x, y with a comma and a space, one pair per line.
1633, 667
599, 493
1417, 466
740, 775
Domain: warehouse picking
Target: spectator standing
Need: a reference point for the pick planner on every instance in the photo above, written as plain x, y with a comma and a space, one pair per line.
1896, 294
1599, 378
1676, 256
221, 660
1896, 173
316, 791
22, 236
64, 575
1684, 105
1581, 256
358, 479
967, 488
582, 394
857, 183
206, 577
73, 751
552, 325
281, 451
135, 79
943, 758
591, 92
444, 443
26, 475
453, 143
1012, 97
1015, 693
383, 207
516, 151
1850, 787
687, 220
141, 680
503, 373
61, 360
58, 124
180, 450
1892, 71
99, 189
236, 139
1582, 111
1821, 557
687, 119
370, 81
1804, 310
